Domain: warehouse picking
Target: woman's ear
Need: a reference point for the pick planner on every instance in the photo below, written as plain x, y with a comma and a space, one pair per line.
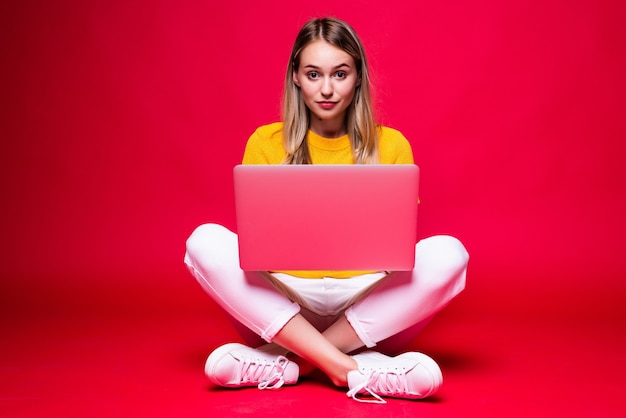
295, 78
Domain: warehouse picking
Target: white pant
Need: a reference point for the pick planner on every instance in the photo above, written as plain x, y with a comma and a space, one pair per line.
378, 306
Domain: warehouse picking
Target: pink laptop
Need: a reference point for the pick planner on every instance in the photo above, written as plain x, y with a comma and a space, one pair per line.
326, 217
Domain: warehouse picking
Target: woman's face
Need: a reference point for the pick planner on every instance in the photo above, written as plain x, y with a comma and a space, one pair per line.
327, 77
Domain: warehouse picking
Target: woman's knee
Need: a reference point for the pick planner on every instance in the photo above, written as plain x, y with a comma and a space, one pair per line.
212, 246
206, 236
444, 249
212, 256
444, 257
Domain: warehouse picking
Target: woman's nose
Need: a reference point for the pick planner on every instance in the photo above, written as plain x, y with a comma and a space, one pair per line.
327, 87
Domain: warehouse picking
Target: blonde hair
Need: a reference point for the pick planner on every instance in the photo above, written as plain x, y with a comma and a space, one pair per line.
360, 125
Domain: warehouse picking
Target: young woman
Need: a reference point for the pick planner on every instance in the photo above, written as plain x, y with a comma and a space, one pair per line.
327, 119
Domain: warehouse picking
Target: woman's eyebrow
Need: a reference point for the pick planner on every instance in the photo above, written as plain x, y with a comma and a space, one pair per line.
315, 67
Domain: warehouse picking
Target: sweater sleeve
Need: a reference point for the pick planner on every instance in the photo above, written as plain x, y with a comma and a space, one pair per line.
394, 148
265, 146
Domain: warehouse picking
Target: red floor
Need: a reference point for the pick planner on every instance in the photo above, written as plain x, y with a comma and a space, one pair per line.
121, 122
140, 352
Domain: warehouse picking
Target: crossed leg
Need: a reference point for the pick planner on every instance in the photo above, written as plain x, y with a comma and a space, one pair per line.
439, 274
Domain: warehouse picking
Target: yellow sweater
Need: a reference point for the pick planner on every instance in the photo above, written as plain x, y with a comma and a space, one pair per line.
265, 146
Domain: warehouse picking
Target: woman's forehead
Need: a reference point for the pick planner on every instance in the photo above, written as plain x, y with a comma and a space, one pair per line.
321, 54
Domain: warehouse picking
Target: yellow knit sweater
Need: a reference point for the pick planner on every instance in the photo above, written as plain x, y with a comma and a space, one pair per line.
265, 146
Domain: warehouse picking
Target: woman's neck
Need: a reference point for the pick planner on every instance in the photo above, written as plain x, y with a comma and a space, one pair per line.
328, 129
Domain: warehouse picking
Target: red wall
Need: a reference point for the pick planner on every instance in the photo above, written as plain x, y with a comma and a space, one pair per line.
121, 122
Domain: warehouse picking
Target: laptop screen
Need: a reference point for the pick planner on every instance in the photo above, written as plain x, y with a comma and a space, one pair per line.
326, 217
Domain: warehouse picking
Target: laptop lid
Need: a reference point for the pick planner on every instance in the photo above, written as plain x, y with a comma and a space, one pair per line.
326, 217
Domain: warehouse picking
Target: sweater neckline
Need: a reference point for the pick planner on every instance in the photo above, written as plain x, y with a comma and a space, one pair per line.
333, 144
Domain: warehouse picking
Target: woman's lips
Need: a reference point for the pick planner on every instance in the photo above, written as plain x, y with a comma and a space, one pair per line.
327, 105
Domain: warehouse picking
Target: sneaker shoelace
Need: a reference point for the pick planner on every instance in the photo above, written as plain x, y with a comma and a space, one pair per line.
269, 374
384, 382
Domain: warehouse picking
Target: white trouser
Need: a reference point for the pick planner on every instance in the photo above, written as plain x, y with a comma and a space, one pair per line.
378, 306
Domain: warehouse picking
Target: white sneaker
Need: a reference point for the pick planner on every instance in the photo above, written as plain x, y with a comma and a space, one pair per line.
236, 365
409, 376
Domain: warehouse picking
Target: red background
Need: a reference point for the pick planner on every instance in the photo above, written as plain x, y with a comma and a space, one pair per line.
121, 122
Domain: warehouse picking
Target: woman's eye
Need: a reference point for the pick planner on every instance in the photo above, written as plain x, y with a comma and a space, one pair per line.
340, 74
313, 75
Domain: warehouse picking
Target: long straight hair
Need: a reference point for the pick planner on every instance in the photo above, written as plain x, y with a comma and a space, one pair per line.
360, 124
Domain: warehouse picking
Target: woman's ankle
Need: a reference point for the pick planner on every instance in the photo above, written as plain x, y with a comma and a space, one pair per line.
306, 367
339, 374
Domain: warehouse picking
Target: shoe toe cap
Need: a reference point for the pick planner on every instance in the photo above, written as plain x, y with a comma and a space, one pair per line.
425, 378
